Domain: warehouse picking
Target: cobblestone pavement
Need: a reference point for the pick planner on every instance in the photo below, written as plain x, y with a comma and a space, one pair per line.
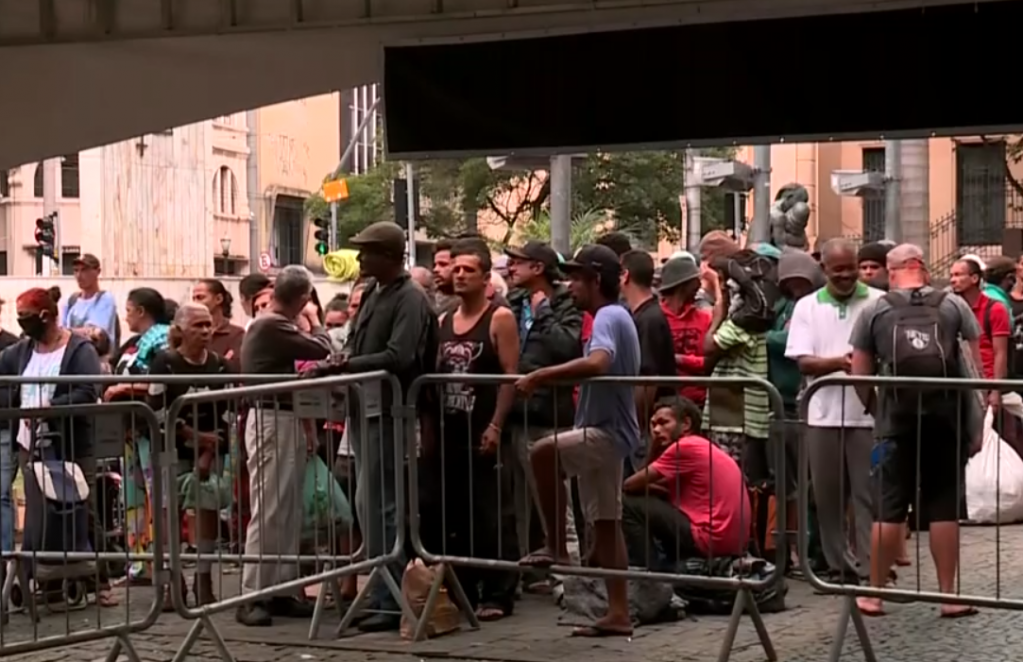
803, 633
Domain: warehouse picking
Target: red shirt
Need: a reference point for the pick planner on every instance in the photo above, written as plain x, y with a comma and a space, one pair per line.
687, 333
707, 486
997, 327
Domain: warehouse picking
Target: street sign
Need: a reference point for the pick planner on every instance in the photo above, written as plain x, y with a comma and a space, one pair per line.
265, 262
335, 190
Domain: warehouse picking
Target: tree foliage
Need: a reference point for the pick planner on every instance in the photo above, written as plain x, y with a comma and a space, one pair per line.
586, 227
639, 191
452, 195
643, 191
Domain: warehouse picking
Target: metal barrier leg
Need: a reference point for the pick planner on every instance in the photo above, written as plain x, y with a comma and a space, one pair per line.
850, 611
123, 645
440, 572
331, 587
360, 599
744, 602
444, 572
204, 623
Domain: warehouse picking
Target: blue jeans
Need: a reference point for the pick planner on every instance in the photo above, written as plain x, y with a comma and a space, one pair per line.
7, 466
375, 499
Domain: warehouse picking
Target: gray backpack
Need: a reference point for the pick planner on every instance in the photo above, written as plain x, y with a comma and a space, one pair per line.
918, 347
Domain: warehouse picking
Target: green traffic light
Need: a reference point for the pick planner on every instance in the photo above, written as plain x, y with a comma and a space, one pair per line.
321, 249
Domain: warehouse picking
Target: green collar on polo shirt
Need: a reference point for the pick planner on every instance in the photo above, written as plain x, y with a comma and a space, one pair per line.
824, 296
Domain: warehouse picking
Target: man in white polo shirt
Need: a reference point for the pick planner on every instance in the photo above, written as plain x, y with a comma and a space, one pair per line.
839, 431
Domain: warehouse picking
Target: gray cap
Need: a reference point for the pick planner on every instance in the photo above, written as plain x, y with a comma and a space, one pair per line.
676, 271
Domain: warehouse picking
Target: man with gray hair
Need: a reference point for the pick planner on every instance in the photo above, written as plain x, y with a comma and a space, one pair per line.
275, 447
916, 331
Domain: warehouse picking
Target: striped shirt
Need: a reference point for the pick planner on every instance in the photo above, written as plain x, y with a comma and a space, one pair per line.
745, 355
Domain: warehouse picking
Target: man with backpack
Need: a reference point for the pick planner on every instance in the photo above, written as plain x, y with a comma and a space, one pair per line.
91, 306
916, 331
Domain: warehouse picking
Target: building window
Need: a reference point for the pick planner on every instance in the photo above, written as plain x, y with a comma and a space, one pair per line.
37, 182
368, 146
67, 262
5, 183
981, 199
874, 208
69, 181
290, 240
225, 192
222, 267
3, 263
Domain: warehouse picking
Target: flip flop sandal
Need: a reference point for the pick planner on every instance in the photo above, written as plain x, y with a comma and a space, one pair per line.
596, 632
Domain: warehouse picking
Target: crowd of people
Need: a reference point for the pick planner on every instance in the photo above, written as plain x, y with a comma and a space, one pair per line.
548, 467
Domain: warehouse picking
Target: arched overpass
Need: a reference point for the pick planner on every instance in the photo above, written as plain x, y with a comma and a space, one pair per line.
79, 73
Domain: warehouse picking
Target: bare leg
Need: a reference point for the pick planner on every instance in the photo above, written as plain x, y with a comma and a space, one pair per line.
609, 552
550, 485
885, 538
945, 551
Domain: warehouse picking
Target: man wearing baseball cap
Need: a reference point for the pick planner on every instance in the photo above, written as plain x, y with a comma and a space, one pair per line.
604, 434
550, 328
91, 306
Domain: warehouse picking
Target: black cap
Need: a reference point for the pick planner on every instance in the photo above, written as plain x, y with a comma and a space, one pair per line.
596, 258
536, 251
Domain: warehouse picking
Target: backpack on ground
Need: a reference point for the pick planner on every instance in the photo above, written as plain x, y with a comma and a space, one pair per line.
918, 346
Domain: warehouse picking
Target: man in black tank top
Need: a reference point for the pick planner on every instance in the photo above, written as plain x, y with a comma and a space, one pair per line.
476, 338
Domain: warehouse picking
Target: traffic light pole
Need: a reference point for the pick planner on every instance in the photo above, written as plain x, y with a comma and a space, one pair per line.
50, 172
343, 163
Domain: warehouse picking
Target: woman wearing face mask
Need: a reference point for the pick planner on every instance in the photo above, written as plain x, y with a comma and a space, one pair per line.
48, 351
145, 315
201, 433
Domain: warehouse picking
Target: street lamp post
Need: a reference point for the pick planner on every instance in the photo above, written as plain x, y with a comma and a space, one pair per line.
225, 251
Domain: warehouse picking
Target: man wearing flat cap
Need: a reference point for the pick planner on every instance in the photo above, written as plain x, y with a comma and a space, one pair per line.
394, 330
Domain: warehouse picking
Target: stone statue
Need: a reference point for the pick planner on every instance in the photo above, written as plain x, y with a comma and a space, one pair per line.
790, 214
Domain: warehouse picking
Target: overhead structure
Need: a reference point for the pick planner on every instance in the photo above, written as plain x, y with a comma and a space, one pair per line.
89, 72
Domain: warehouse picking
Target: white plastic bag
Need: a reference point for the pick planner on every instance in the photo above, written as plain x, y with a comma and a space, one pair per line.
994, 481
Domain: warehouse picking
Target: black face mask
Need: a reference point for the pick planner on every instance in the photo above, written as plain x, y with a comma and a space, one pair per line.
34, 326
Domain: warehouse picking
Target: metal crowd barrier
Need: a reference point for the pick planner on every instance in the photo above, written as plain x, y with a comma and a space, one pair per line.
37, 571
322, 399
445, 570
965, 413
63, 580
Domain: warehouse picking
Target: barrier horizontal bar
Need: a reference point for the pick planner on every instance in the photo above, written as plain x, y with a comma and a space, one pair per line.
113, 380
895, 594
178, 556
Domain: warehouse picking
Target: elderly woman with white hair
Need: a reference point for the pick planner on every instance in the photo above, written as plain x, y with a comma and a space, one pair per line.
201, 432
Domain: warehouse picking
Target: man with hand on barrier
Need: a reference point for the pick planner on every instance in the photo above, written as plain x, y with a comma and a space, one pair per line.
839, 433
478, 337
274, 444
915, 331
605, 433
690, 500
550, 328
395, 330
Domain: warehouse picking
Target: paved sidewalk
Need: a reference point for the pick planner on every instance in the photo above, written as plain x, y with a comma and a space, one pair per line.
803, 633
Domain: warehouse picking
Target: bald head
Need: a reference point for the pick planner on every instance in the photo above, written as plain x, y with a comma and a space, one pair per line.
838, 249
423, 277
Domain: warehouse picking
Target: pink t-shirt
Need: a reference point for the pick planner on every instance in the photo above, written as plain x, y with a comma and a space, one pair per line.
693, 467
